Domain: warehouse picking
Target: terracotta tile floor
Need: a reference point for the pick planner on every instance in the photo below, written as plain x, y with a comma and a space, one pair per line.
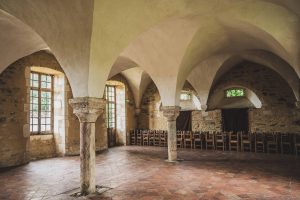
142, 173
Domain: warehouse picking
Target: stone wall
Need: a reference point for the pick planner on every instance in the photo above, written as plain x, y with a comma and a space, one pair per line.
278, 112
206, 121
42, 146
151, 117
14, 129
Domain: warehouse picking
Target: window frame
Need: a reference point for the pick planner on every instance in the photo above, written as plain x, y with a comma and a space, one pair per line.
40, 90
236, 88
189, 94
108, 108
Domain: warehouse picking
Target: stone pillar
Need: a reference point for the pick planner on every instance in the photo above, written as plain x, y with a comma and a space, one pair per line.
87, 109
171, 113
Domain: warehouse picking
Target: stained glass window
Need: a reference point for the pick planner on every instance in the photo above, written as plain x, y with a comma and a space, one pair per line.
41, 102
235, 92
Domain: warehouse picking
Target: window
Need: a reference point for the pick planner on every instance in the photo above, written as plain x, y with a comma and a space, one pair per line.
235, 92
41, 102
110, 94
184, 96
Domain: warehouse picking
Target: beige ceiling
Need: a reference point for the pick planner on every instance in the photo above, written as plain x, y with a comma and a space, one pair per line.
169, 40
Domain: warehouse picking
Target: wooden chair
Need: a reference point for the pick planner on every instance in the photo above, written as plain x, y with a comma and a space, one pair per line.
297, 143
139, 137
151, 137
188, 139
197, 136
163, 138
132, 137
259, 140
210, 140
179, 136
234, 141
246, 142
145, 135
220, 141
271, 141
285, 143
156, 138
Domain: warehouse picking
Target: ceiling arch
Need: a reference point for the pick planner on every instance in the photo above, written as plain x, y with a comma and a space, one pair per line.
17, 41
65, 26
213, 68
167, 40
198, 37
218, 100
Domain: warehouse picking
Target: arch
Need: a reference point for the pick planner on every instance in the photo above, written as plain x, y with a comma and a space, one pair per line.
194, 103
217, 99
18, 40
203, 36
210, 70
69, 40
137, 78
266, 59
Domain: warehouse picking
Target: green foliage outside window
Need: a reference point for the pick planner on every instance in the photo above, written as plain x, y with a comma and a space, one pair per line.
237, 92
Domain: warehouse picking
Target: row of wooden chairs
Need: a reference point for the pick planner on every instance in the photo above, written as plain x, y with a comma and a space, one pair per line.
149, 138
257, 142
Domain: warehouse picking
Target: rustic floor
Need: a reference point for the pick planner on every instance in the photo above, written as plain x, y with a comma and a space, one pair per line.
142, 173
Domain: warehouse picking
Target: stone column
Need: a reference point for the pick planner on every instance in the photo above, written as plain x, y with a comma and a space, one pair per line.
87, 109
171, 113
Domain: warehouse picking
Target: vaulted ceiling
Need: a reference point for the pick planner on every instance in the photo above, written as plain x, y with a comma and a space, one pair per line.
168, 41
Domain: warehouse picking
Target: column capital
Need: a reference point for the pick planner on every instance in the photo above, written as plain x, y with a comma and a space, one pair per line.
204, 107
171, 112
87, 109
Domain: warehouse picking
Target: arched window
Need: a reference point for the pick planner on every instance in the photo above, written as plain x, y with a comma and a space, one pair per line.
235, 92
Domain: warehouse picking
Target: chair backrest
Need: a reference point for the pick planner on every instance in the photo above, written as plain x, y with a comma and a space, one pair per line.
259, 137
209, 135
197, 135
187, 134
145, 133
234, 136
271, 137
138, 133
219, 135
179, 134
285, 137
246, 136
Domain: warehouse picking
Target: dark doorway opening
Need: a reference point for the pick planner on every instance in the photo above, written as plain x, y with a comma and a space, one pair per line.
235, 120
184, 121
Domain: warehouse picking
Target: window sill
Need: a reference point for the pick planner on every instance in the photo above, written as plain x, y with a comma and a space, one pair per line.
40, 134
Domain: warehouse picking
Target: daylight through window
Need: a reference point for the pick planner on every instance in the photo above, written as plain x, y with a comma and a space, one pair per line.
110, 94
41, 102
235, 92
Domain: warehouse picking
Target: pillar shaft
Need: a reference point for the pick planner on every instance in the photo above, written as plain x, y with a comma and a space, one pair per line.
87, 157
87, 110
171, 113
